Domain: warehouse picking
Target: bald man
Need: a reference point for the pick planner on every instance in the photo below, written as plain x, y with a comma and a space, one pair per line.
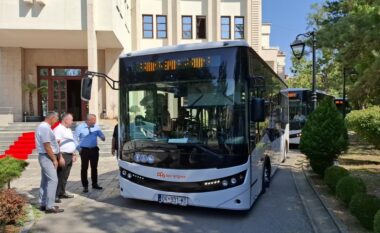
48, 152
67, 147
87, 135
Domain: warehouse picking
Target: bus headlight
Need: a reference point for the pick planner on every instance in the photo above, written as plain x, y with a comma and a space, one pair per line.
143, 158
129, 176
124, 172
136, 157
233, 180
227, 182
150, 159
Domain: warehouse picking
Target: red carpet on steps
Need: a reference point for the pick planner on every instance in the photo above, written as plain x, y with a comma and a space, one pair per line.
21, 148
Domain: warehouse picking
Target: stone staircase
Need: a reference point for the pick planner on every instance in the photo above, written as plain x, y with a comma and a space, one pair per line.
10, 133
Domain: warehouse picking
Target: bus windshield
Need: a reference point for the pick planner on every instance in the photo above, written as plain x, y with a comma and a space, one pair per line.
184, 104
298, 110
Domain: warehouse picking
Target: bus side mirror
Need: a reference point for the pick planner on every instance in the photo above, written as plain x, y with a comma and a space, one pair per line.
258, 110
86, 89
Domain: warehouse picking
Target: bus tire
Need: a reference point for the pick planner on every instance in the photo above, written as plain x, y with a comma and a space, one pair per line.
266, 175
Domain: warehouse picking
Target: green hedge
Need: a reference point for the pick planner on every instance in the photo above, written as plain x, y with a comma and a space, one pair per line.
324, 136
364, 208
11, 168
333, 175
348, 186
366, 123
376, 222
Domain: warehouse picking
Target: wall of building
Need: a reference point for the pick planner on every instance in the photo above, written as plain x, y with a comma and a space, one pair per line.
57, 57
265, 35
271, 55
112, 70
55, 34
55, 15
11, 71
175, 9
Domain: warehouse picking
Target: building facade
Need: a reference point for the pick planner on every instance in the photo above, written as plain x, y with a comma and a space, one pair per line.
170, 22
51, 43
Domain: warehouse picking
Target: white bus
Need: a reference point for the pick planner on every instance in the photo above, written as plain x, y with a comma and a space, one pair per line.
202, 125
300, 106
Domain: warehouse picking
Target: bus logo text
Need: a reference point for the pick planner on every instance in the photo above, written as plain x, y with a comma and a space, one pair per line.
165, 175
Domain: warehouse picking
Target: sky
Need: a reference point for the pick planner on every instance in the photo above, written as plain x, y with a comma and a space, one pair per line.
288, 19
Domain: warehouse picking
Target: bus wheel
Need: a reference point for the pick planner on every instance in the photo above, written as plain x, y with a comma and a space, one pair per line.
266, 175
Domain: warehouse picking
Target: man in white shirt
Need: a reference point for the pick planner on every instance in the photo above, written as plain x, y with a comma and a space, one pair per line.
48, 151
67, 147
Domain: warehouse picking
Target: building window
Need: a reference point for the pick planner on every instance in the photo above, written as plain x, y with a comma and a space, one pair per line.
187, 27
147, 26
226, 27
161, 27
201, 27
239, 27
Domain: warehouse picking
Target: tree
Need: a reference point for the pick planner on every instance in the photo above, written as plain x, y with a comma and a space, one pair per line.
324, 136
10, 169
31, 88
347, 32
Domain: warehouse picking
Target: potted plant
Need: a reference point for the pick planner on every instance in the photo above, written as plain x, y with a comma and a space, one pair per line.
31, 88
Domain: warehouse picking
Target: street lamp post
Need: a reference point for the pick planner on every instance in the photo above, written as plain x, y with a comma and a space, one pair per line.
298, 48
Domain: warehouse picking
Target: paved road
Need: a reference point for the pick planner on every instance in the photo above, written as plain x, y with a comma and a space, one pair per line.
278, 210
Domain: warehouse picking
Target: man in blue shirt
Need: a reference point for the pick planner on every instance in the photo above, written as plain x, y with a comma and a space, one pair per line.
87, 135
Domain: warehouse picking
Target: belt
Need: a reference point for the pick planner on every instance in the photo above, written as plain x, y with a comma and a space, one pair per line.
65, 153
89, 148
47, 154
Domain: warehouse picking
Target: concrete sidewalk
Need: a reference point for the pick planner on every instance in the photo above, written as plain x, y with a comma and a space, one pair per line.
106, 211
29, 183
321, 219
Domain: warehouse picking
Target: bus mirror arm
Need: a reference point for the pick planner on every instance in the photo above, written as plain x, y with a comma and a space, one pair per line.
112, 83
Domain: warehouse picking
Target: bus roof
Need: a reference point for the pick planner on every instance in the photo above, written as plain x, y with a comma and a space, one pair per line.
296, 89
187, 47
302, 89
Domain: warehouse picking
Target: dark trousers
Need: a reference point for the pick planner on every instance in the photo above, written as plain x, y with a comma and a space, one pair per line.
89, 155
63, 174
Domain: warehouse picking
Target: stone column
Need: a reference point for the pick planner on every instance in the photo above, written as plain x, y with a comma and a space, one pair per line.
248, 23
177, 22
112, 70
170, 21
92, 56
136, 25
11, 72
217, 28
209, 20
256, 22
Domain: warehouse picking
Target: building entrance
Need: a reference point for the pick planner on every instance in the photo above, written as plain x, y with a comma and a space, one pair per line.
59, 90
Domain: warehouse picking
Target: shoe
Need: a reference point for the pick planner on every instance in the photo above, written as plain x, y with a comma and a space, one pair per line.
66, 196
43, 208
57, 200
85, 190
54, 211
97, 187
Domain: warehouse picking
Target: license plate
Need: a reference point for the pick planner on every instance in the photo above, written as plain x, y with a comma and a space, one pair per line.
174, 200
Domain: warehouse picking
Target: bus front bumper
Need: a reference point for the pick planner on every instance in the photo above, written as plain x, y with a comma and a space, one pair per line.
235, 198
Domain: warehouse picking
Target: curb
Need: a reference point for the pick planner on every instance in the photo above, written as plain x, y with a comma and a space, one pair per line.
341, 227
304, 205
